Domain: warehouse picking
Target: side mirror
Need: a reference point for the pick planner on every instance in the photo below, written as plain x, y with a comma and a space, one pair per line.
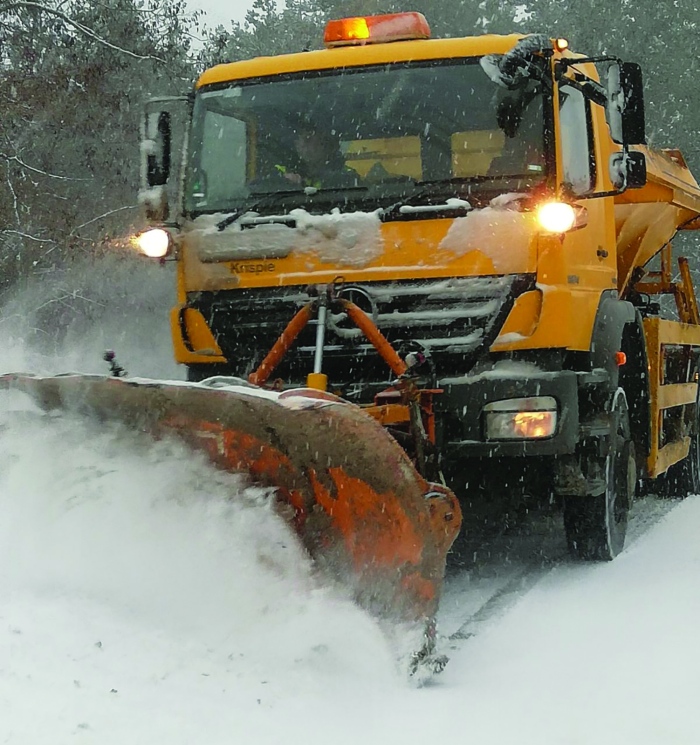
625, 104
155, 148
628, 170
163, 127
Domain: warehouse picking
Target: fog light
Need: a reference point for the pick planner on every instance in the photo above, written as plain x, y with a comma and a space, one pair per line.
521, 418
154, 243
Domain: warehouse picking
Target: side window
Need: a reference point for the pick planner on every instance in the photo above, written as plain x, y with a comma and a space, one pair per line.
576, 144
222, 167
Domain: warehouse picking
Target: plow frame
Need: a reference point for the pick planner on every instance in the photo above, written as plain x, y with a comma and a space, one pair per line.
404, 409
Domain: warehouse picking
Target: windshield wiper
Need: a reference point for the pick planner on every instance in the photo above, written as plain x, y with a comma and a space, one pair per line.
405, 206
268, 198
271, 198
452, 200
312, 191
451, 204
233, 216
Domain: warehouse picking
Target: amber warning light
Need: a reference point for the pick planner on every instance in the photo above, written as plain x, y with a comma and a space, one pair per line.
376, 29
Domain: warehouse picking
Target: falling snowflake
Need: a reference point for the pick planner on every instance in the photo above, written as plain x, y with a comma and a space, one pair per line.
522, 14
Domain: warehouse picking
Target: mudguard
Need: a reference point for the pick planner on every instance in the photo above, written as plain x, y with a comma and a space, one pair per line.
612, 317
351, 493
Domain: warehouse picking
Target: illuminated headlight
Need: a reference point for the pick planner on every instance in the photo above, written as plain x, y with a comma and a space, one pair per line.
521, 418
153, 243
556, 217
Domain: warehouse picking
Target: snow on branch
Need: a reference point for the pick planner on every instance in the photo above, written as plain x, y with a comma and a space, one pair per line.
26, 235
85, 30
67, 296
11, 158
99, 217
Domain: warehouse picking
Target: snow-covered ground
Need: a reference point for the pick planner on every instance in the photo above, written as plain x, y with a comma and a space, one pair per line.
147, 598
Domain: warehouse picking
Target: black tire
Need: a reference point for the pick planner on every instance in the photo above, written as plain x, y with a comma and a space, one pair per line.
682, 479
596, 525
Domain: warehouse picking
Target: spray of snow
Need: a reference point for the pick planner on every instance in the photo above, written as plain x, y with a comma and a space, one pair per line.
65, 320
152, 530
146, 595
163, 572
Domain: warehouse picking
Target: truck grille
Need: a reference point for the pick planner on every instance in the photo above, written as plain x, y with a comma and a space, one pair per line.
454, 319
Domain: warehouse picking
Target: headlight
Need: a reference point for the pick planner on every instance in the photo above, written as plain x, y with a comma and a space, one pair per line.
556, 217
153, 243
521, 418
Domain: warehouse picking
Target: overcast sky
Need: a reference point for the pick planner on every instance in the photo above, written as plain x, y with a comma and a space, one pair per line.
221, 11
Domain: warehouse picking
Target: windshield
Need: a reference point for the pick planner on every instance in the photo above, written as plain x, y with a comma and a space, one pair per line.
362, 135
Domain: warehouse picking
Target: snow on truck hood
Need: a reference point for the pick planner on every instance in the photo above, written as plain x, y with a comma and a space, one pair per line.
502, 235
355, 240
351, 239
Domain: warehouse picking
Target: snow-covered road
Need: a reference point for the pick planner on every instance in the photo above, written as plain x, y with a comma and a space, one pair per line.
142, 604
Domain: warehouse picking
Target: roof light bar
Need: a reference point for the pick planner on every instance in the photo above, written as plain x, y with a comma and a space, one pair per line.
376, 29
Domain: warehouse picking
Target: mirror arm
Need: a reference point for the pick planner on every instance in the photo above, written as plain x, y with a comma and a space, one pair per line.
566, 62
598, 194
591, 90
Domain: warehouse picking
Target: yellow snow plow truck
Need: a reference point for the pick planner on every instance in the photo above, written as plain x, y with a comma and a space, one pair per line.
467, 238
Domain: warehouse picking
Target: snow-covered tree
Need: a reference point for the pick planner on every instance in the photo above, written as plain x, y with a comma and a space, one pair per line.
72, 81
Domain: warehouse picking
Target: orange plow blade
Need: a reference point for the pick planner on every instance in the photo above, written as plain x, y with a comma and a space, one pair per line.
350, 492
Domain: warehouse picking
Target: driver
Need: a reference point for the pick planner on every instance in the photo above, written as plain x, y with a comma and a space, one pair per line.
320, 163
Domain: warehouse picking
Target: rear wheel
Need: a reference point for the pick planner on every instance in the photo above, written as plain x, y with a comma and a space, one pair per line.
596, 524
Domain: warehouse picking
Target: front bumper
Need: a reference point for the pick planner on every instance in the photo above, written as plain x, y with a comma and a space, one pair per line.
460, 411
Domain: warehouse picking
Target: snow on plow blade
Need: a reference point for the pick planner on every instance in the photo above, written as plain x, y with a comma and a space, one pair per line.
351, 493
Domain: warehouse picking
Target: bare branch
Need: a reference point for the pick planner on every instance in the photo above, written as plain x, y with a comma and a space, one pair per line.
15, 206
26, 235
99, 217
70, 295
10, 158
85, 30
